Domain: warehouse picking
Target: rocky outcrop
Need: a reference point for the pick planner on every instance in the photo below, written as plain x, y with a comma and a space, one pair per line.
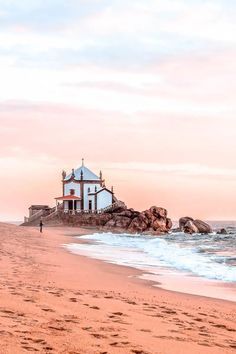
183, 221
190, 226
151, 221
222, 232
122, 222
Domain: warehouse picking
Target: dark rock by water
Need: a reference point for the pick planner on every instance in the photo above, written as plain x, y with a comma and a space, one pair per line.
222, 232
190, 226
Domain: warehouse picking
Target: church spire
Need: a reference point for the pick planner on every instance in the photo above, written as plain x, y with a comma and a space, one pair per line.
63, 174
82, 162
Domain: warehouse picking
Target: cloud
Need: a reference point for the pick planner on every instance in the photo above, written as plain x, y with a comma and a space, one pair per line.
147, 88
112, 33
190, 170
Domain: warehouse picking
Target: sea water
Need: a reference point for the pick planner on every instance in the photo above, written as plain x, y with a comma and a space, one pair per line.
211, 256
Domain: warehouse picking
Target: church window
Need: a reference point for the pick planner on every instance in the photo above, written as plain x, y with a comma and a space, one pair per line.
72, 191
88, 189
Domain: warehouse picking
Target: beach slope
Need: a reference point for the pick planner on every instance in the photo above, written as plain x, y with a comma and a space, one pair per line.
52, 301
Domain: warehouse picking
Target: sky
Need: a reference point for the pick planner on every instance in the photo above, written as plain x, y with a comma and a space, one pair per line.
143, 90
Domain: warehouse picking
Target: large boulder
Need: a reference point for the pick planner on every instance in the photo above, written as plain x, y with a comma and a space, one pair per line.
190, 228
153, 220
138, 224
130, 213
158, 212
189, 225
222, 232
119, 221
169, 223
203, 227
183, 221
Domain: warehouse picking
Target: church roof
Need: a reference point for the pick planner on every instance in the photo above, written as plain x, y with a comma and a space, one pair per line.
68, 197
101, 190
87, 174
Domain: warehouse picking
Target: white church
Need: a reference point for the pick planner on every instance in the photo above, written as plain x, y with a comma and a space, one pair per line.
84, 191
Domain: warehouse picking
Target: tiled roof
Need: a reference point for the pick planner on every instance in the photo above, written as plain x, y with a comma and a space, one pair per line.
87, 174
68, 197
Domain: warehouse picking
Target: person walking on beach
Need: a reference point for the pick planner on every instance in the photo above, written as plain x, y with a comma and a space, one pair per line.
41, 226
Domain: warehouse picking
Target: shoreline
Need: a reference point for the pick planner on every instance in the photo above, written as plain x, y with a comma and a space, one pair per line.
168, 279
53, 301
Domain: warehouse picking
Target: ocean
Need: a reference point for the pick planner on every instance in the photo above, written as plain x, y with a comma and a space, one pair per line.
209, 257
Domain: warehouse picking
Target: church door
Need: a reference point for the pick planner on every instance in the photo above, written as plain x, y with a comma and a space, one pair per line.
71, 205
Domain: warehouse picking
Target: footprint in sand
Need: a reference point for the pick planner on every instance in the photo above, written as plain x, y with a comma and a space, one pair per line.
118, 314
131, 302
30, 349
57, 328
47, 309
48, 348
206, 344
98, 335
29, 300
39, 341
71, 319
94, 307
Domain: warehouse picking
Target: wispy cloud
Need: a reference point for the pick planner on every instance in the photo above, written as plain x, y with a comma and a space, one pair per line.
147, 88
190, 170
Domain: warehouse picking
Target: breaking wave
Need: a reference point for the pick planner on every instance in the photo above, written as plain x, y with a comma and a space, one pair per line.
208, 256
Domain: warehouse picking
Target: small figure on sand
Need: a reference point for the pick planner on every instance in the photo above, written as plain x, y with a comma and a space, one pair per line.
41, 226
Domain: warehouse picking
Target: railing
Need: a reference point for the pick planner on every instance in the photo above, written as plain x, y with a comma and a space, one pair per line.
112, 207
79, 211
53, 213
98, 211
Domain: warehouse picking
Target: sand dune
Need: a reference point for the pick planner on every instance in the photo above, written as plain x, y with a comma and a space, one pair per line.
54, 302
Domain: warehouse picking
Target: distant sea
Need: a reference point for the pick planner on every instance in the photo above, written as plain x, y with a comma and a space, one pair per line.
17, 223
211, 257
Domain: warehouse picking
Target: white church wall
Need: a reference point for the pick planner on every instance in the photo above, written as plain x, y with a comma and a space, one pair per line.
92, 198
92, 190
104, 199
72, 185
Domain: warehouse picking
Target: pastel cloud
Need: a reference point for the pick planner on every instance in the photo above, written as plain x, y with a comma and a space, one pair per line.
144, 90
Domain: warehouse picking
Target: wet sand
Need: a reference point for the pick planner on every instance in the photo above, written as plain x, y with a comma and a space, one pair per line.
52, 301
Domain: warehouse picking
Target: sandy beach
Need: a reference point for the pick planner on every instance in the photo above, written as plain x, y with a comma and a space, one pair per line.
52, 301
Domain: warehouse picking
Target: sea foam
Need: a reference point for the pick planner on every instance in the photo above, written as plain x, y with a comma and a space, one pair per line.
198, 255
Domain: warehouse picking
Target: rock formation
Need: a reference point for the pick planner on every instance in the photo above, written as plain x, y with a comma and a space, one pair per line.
190, 226
222, 232
151, 221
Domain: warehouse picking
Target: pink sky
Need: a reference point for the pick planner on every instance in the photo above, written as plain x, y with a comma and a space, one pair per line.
151, 103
